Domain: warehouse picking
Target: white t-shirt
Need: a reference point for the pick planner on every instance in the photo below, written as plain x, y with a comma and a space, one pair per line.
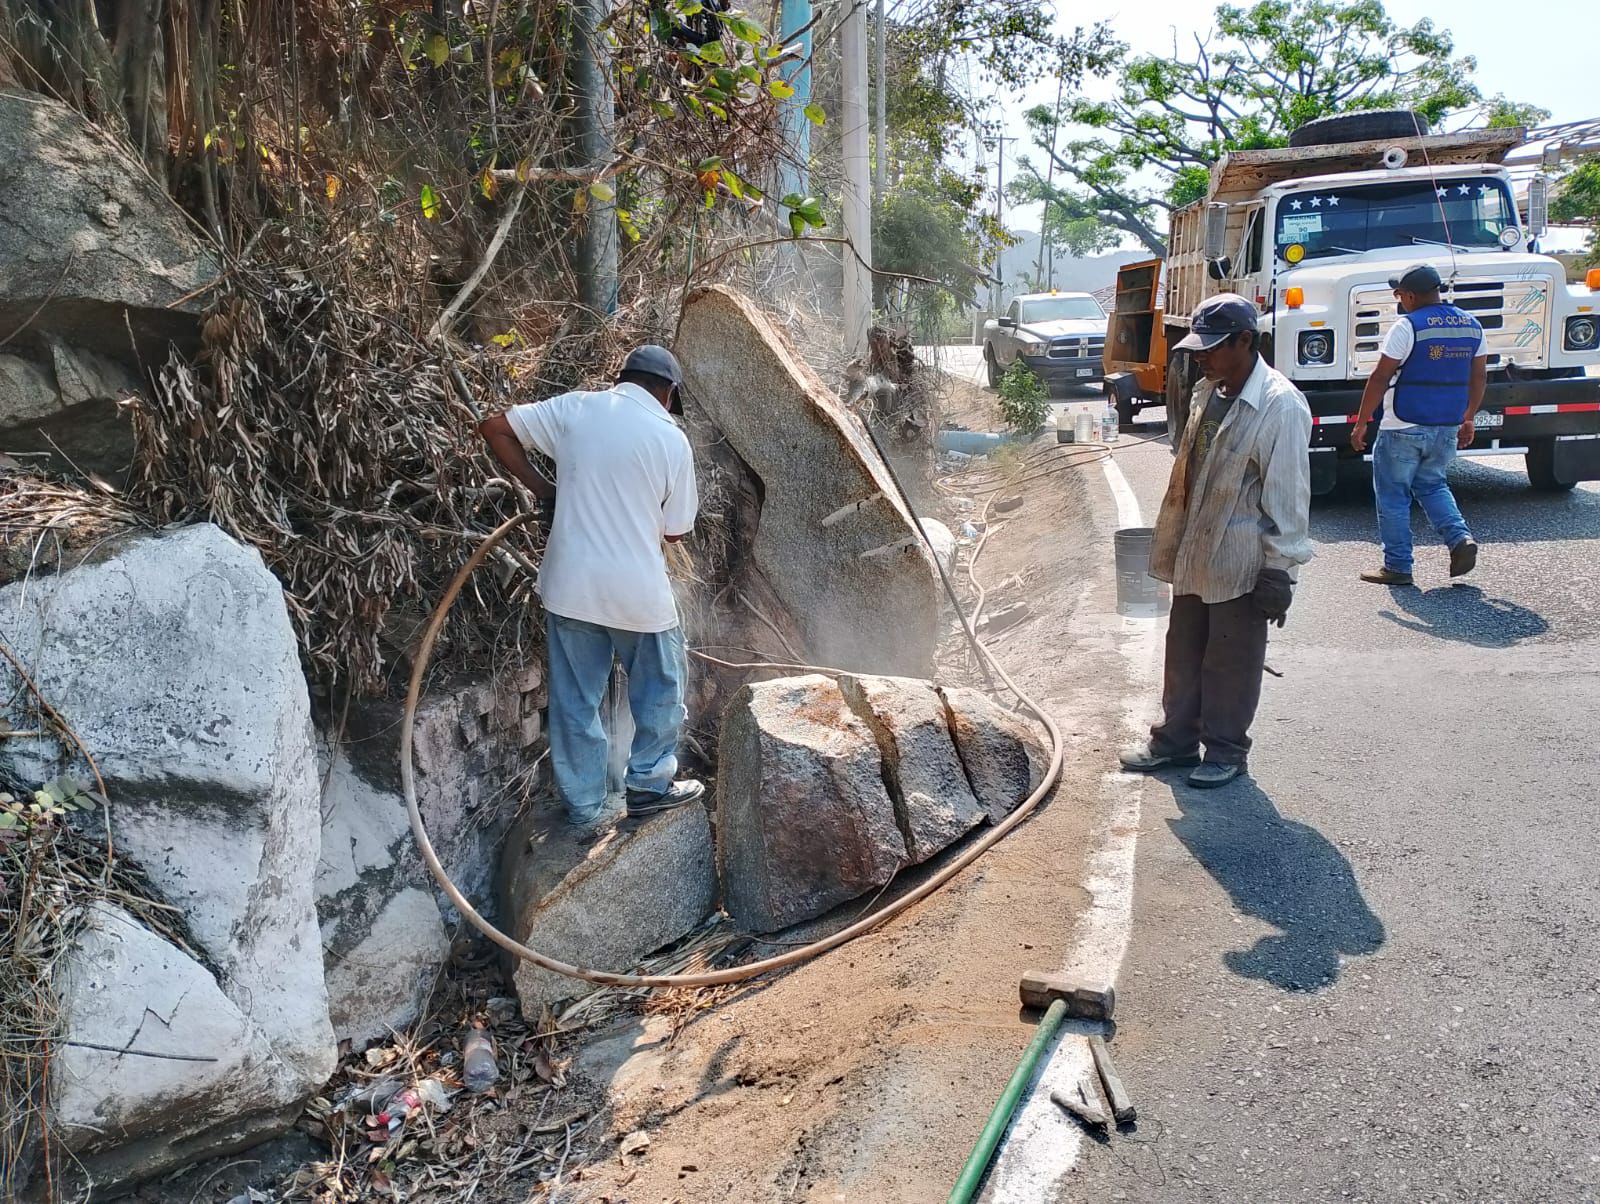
625, 480
1397, 345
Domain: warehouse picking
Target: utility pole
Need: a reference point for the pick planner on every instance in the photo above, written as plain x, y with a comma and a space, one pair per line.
999, 216
1047, 255
880, 179
794, 174
593, 119
857, 191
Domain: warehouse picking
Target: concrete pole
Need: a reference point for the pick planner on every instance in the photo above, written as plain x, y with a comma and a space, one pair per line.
593, 119
999, 218
857, 191
795, 177
880, 178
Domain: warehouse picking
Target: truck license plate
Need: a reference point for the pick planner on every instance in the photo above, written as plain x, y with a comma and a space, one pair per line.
1486, 418
1085, 371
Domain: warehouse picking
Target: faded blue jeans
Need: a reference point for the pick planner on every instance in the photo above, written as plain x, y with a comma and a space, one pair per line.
1410, 464
580, 668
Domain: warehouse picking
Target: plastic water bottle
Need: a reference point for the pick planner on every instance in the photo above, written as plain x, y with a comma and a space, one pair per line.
1083, 425
478, 1068
1110, 423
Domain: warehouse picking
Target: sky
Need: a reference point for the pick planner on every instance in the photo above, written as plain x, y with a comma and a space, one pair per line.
1549, 62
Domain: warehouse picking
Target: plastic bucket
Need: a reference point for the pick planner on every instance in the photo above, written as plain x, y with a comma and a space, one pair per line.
1138, 593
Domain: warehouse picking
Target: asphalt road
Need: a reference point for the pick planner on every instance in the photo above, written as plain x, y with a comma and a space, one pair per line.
1372, 971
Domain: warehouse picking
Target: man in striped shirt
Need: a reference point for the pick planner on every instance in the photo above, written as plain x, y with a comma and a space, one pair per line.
1233, 526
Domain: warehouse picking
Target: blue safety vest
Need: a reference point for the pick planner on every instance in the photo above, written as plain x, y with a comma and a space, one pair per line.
1431, 389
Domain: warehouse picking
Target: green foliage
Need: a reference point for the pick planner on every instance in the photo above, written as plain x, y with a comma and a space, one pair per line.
1267, 69
1577, 199
1024, 402
46, 805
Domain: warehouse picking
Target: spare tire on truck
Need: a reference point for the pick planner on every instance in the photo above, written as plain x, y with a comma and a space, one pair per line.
1371, 126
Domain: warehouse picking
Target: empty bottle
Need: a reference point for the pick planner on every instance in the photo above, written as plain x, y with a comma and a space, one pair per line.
1110, 422
478, 1068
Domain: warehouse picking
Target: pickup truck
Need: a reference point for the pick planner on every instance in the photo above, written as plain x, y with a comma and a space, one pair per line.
1061, 337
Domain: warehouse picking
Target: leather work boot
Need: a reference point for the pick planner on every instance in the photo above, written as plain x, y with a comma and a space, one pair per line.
649, 802
1211, 774
1463, 558
1141, 760
1386, 576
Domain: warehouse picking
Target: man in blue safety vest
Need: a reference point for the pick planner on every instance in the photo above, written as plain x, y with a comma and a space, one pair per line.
1436, 357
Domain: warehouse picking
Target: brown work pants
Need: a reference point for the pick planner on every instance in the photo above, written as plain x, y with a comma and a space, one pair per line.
1212, 682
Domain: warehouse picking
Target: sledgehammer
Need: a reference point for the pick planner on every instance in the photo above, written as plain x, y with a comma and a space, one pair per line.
1060, 997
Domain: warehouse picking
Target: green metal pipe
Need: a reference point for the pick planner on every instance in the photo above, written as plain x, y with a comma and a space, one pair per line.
978, 1161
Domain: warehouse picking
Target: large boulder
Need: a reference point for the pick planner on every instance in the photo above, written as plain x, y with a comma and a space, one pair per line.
933, 800
804, 820
89, 243
99, 270
602, 901
1005, 755
174, 659
833, 542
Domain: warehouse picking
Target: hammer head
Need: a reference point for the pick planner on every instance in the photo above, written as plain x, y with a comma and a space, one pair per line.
1083, 1001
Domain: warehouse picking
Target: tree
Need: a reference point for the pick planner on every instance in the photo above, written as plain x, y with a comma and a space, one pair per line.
1577, 199
1261, 72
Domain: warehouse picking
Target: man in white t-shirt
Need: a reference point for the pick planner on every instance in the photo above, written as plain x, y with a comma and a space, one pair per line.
624, 483
1437, 359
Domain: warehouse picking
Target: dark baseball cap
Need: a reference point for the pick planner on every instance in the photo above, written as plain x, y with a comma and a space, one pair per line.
658, 361
1418, 278
1217, 319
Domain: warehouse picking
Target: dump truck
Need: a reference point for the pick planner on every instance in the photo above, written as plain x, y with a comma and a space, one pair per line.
1313, 232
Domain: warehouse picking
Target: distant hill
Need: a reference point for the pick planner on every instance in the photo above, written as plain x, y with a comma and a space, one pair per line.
1018, 265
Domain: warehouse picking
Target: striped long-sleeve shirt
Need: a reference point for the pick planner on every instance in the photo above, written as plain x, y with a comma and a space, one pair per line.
1250, 507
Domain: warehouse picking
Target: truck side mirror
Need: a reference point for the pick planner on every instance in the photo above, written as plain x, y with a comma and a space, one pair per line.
1004, 320
1216, 234
1538, 206
1219, 269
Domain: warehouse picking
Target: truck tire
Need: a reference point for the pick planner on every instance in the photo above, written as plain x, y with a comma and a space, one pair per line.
1542, 467
1360, 127
1178, 390
992, 366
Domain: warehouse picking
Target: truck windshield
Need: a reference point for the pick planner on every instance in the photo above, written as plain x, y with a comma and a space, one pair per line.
1056, 309
1463, 212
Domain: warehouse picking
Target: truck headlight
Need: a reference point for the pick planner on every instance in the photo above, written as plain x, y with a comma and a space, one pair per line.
1316, 346
1032, 346
1583, 334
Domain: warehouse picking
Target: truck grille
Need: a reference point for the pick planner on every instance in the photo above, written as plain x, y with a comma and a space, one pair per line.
1077, 348
1515, 315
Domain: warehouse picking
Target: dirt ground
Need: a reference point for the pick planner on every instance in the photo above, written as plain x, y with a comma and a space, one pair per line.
867, 1075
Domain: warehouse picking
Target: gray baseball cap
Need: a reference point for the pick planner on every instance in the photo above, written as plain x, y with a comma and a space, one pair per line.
658, 361
1217, 319
1418, 278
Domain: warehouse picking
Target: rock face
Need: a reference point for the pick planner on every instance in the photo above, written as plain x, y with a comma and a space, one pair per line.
606, 901
934, 804
87, 234
175, 660
804, 820
94, 257
383, 939
861, 588
1005, 755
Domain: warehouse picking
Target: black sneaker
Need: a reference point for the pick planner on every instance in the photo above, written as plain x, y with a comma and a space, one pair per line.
1463, 558
650, 802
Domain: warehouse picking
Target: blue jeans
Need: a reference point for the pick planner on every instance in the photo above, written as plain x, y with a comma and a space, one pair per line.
580, 668
1407, 465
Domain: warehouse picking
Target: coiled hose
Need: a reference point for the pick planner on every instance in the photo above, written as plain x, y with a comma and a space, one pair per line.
709, 978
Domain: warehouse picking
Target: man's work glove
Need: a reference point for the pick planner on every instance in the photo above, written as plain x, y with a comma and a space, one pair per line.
1272, 594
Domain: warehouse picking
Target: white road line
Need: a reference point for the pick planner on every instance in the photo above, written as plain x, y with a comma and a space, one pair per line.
1043, 1144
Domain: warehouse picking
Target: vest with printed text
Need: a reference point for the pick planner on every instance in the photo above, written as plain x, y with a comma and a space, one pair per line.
1431, 389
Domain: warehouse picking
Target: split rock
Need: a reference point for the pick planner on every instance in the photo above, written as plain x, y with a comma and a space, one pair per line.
1004, 754
933, 800
804, 820
603, 901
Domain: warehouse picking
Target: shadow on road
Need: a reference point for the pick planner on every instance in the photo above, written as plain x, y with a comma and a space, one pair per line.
1463, 613
1285, 873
